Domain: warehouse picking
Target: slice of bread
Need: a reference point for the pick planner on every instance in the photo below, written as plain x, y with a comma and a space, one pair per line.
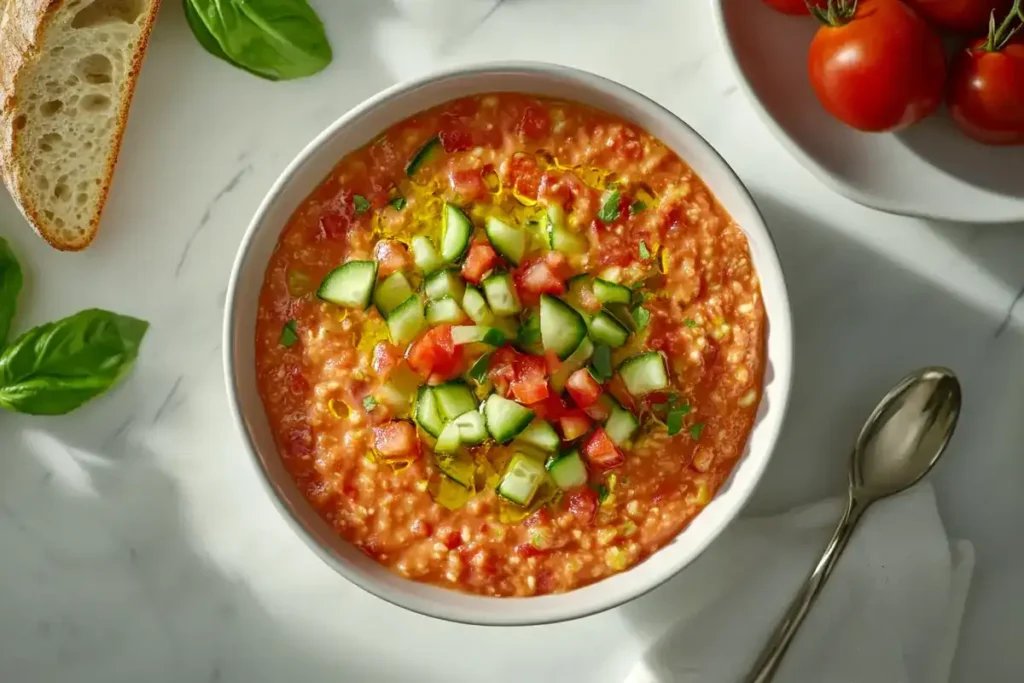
67, 73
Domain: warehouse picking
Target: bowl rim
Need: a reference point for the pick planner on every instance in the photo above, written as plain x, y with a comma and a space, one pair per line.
781, 363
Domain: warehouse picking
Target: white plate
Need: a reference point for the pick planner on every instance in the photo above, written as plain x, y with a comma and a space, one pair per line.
929, 170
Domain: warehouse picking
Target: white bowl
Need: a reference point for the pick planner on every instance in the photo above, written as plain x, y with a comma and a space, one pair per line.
929, 170
355, 129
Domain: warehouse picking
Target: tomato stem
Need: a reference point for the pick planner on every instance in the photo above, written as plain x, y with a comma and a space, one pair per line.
999, 36
836, 13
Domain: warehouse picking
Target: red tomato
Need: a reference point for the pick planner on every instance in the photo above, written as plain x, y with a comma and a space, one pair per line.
391, 256
538, 278
434, 354
795, 7
502, 369
601, 452
536, 122
455, 137
481, 260
523, 175
574, 425
878, 66
396, 440
551, 408
531, 380
468, 184
525, 550
967, 16
386, 356
583, 504
986, 92
583, 388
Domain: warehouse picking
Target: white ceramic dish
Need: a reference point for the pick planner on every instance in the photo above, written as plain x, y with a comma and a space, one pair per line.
356, 128
929, 170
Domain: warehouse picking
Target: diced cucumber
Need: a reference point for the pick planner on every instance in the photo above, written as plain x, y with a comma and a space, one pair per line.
611, 292
471, 334
540, 434
559, 237
505, 419
605, 329
476, 307
427, 152
521, 480
561, 327
454, 399
444, 312
407, 321
459, 469
568, 471
425, 255
350, 284
571, 364
508, 326
448, 441
444, 283
455, 233
623, 315
472, 430
621, 425
644, 373
501, 295
574, 286
394, 290
427, 416
509, 241
528, 339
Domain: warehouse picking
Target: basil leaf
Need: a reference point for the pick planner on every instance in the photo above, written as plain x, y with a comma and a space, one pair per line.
399, 203
637, 206
690, 322
609, 206
369, 403
55, 368
274, 39
641, 316
289, 334
602, 362
696, 429
11, 280
674, 422
361, 203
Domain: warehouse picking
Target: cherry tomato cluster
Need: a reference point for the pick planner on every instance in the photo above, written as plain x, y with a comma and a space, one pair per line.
880, 65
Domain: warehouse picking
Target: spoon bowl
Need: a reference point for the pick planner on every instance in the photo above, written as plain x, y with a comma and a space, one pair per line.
905, 435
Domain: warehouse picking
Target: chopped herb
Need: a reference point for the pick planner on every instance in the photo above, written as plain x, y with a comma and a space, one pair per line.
645, 253
289, 334
602, 493
642, 317
674, 421
399, 203
696, 429
602, 362
478, 373
369, 403
689, 322
361, 203
637, 206
609, 206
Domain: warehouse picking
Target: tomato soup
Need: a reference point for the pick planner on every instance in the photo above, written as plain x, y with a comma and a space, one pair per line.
511, 347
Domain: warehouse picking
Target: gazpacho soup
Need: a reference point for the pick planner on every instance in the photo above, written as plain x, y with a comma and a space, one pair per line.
512, 346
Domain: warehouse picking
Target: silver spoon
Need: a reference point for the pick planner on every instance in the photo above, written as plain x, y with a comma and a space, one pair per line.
898, 445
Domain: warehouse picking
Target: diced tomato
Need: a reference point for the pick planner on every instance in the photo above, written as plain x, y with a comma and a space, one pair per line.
524, 175
502, 370
574, 425
481, 260
525, 550
466, 106
536, 122
455, 137
583, 388
617, 389
552, 362
537, 278
434, 354
598, 410
558, 264
583, 504
297, 383
552, 408
396, 440
338, 217
468, 183
391, 256
601, 452
538, 518
386, 356
531, 382
450, 537
588, 300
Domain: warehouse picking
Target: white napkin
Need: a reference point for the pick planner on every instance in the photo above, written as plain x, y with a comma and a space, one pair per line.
890, 613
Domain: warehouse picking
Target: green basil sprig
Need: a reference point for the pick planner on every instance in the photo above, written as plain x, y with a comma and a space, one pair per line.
54, 368
273, 39
10, 288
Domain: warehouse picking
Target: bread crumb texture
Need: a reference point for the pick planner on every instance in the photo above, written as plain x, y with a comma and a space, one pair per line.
71, 100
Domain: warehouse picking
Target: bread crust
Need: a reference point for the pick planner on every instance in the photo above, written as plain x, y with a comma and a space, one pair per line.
23, 26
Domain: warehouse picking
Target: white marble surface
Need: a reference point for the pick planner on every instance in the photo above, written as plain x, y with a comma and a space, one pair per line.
135, 544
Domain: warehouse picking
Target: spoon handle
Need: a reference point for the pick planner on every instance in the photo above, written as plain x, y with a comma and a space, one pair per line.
771, 656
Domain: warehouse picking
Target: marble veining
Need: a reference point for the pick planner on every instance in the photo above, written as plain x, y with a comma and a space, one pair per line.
136, 541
